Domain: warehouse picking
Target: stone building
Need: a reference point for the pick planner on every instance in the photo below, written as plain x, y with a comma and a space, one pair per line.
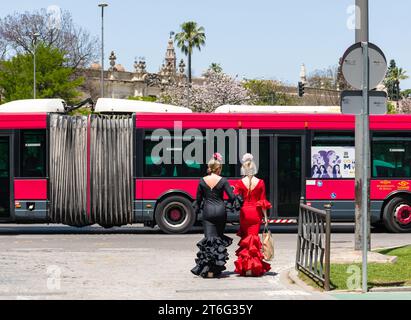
122, 84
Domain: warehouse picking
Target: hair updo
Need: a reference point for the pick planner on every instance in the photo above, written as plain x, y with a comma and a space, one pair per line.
249, 167
215, 164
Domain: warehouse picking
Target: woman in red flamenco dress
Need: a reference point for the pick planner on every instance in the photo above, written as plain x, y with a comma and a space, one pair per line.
252, 190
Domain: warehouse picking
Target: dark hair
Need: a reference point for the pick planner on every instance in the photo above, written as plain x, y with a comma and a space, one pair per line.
335, 171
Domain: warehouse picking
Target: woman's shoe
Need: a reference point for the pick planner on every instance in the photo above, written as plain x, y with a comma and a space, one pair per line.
249, 273
210, 275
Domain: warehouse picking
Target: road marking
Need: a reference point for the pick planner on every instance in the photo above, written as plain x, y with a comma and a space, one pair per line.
36, 249
221, 290
125, 249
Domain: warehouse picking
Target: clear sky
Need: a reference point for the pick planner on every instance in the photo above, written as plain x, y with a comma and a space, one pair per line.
255, 39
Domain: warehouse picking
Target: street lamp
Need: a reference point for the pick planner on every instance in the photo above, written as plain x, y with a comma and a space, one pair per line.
102, 6
35, 37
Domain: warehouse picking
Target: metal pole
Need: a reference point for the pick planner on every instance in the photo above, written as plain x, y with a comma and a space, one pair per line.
327, 262
188, 94
102, 5
366, 167
34, 76
35, 36
300, 234
102, 52
362, 147
361, 35
362, 30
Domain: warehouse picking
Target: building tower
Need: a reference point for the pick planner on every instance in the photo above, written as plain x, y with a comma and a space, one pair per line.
303, 74
171, 58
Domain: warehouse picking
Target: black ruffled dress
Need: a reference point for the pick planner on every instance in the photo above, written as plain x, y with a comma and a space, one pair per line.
213, 254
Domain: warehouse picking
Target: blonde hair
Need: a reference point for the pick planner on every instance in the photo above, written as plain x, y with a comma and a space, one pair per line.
214, 166
249, 168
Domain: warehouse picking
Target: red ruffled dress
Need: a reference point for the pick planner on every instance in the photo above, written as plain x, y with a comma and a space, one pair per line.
249, 252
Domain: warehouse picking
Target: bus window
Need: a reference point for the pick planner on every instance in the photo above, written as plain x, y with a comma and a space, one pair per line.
229, 169
158, 166
333, 156
264, 160
33, 154
391, 156
334, 139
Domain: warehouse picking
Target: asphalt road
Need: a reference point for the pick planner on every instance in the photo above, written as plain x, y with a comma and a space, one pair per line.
58, 262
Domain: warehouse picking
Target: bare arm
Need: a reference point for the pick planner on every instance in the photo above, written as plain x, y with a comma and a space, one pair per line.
264, 203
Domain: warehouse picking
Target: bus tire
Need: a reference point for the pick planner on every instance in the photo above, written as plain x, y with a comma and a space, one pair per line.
175, 215
397, 215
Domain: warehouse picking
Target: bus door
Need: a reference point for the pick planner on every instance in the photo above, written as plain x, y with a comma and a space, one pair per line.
5, 178
289, 164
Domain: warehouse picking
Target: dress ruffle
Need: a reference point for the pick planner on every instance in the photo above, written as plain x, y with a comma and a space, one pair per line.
264, 204
250, 257
212, 256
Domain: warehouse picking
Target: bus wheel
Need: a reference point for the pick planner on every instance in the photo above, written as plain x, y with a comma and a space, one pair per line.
397, 215
175, 214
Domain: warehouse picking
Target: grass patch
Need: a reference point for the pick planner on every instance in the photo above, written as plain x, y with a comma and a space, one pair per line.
379, 275
309, 281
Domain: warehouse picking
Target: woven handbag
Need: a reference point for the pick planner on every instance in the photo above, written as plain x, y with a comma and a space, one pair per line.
267, 242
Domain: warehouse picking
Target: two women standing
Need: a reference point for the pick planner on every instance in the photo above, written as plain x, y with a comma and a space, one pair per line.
250, 191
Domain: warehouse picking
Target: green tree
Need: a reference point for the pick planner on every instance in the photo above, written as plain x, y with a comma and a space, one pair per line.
391, 108
393, 79
53, 78
191, 37
216, 67
269, 93
406, 93
324, 78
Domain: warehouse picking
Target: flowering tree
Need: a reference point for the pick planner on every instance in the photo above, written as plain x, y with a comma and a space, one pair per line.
219, 89
404, 106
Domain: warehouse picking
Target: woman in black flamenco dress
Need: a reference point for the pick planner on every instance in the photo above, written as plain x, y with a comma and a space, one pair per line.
213, 255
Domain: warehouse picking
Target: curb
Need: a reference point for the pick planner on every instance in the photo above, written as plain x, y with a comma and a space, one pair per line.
389, 248
292, 277
391, 289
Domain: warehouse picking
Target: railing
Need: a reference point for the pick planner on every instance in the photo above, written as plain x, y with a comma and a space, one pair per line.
314, 243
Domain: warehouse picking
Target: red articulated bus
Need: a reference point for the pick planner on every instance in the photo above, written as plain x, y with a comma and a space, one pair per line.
141, 163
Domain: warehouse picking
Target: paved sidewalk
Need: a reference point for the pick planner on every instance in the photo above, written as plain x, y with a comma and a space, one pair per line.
55, 262
129, 266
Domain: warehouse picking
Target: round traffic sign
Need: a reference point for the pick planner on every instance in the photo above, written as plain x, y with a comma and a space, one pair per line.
353, 62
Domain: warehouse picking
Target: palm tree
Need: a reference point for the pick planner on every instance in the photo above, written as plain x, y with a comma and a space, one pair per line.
216, 67
394, 76
191, 37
